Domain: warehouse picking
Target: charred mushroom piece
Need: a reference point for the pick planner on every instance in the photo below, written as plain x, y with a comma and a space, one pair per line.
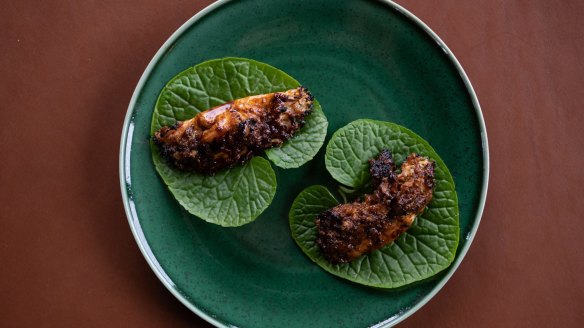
350, 230
234, 132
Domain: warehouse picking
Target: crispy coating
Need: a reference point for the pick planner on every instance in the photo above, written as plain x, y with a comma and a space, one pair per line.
234, 132
415, 185
350, 230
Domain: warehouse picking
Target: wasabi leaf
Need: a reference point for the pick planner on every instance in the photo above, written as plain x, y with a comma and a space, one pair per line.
230, 198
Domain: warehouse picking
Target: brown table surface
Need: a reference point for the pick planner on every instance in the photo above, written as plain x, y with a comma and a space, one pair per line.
68, 70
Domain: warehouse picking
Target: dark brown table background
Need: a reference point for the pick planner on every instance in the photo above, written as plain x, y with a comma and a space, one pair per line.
68, 70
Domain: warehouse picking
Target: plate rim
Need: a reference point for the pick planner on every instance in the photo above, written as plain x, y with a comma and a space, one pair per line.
130, 209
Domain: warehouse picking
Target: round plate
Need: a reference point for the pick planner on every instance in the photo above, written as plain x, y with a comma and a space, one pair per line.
361, 59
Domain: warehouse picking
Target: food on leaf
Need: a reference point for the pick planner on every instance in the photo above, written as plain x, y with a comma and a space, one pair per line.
237, 194
430, 244
234, 132
347, 231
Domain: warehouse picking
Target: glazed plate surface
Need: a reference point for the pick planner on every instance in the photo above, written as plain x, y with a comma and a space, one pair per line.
361, 59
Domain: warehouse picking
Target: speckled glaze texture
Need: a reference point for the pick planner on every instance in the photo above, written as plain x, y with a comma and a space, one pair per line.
361, 59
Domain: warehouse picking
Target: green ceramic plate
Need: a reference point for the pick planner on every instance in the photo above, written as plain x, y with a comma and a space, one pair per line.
361, 59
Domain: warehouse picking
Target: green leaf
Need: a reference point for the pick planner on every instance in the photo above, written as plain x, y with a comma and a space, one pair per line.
237, 196
427, 248
305, 144
230, 198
